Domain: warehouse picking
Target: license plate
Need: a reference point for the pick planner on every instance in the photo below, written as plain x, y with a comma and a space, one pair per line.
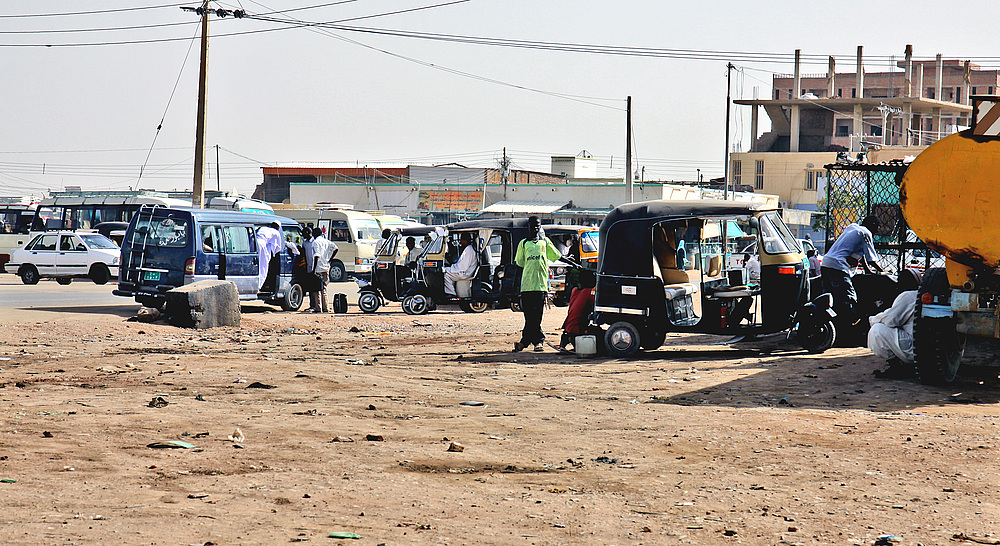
151, 276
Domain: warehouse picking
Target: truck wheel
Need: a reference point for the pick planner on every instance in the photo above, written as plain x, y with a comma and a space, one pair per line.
293, 298
100, 274
937, 346
64, 280
337, 272
622, 339
368, 302
818, 339
29, 275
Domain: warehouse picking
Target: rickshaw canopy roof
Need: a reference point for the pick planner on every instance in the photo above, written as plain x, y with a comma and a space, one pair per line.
626, 232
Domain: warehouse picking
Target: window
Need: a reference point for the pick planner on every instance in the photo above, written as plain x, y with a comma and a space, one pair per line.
96, 240
854, 93
338, 231
67, 243
810, 180
840, 93
758, 181
211, 238
929, 93
159, 231
240, 240
843, 130
737, 175
44, 242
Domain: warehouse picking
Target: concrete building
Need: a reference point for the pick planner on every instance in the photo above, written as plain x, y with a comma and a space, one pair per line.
815, 117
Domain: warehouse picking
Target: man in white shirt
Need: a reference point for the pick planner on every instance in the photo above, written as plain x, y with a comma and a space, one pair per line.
464, 268
752, 264
307, 249
269, 245
891, 333
323, 251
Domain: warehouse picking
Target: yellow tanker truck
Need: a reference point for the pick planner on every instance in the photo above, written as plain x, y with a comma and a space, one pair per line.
950, 197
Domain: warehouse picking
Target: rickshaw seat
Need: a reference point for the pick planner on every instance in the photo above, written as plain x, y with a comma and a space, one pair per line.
674, 291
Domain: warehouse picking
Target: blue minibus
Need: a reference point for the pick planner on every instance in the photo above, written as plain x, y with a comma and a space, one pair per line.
167, 247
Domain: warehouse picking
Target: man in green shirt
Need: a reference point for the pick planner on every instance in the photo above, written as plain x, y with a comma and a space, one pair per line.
533, 255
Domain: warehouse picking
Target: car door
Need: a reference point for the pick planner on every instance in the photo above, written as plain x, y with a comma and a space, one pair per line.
241, 258
213, 263
72, 256
43, 254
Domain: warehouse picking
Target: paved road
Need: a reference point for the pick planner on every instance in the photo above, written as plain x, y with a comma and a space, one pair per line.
48, 299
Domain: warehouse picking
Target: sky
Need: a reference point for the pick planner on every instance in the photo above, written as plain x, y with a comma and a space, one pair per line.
84, 93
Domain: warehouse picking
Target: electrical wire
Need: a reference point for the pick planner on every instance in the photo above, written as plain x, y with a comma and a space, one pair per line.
93, 12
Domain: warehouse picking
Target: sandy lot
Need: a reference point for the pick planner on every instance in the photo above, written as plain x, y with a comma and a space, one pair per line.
697, 443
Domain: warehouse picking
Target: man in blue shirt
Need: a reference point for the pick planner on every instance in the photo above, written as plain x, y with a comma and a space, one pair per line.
855, 245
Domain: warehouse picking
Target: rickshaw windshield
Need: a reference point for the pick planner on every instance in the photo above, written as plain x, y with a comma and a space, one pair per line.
774, 235
435, 246
590, 241
388, 246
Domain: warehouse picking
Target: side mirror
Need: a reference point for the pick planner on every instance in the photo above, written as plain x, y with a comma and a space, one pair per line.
755, 222
81, 247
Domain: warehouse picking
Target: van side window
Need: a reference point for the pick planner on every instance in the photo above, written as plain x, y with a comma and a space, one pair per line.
240, 240
339, 231
211, 239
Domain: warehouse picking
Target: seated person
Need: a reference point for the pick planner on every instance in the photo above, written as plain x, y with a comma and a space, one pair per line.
412, 253
464, 268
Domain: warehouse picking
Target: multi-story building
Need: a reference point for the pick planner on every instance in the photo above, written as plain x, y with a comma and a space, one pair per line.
814, 117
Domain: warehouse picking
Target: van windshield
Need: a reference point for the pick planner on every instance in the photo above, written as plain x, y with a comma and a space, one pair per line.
168, 232
590, 241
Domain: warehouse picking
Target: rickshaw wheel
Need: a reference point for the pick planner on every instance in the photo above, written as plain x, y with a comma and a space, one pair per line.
622, 339
418, 305
651, 339
473, 306
368, 302
515, 306
819, 340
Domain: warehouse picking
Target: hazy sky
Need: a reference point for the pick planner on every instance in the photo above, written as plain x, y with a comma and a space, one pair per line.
87, 115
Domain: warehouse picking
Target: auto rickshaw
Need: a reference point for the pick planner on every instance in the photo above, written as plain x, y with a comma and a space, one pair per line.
660, 270
391, 275
579, 245
496, 281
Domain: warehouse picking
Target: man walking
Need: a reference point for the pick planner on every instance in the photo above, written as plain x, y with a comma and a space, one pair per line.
533, 255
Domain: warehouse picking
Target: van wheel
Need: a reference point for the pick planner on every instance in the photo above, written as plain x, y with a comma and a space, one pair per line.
29, 275
368, 302
99, 274
622, 339
293, 298
337, 272
64, 280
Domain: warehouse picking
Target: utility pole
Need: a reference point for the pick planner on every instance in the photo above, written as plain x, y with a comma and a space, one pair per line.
198, 189
725, 178
504, 172
628, 149
218, 182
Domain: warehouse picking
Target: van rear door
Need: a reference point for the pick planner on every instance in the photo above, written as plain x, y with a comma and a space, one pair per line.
156, 249
241, 258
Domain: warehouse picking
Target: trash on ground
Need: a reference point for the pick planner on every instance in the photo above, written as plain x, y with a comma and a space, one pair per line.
237, 436
375, 438
342, 439
170, 444
344, 535
605, 459
456, 447
259, 385
158, 402
472, 403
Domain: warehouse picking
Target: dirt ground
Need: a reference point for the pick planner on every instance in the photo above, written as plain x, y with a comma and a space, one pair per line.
696, 443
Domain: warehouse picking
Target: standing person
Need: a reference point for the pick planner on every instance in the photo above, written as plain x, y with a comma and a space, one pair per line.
269, 245
323, 251
310, 280
533, 255
855, 245
813, 263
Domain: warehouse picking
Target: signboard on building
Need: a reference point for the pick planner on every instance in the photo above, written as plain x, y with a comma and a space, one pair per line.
450, 200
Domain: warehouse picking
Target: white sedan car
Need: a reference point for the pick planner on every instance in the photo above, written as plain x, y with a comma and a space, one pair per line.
65, 255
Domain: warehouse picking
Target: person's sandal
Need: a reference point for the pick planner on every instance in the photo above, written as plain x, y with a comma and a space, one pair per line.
539, 348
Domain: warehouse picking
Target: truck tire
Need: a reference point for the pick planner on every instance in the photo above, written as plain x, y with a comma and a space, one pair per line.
937, 346
337, 272
100, 274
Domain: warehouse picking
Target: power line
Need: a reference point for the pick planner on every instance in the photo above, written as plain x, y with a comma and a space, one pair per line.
133, 8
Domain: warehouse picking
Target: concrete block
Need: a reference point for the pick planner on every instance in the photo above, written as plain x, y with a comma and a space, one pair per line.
204, 304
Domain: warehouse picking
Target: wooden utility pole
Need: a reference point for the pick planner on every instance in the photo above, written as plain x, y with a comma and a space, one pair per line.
725, 170
198, 191
628, 150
